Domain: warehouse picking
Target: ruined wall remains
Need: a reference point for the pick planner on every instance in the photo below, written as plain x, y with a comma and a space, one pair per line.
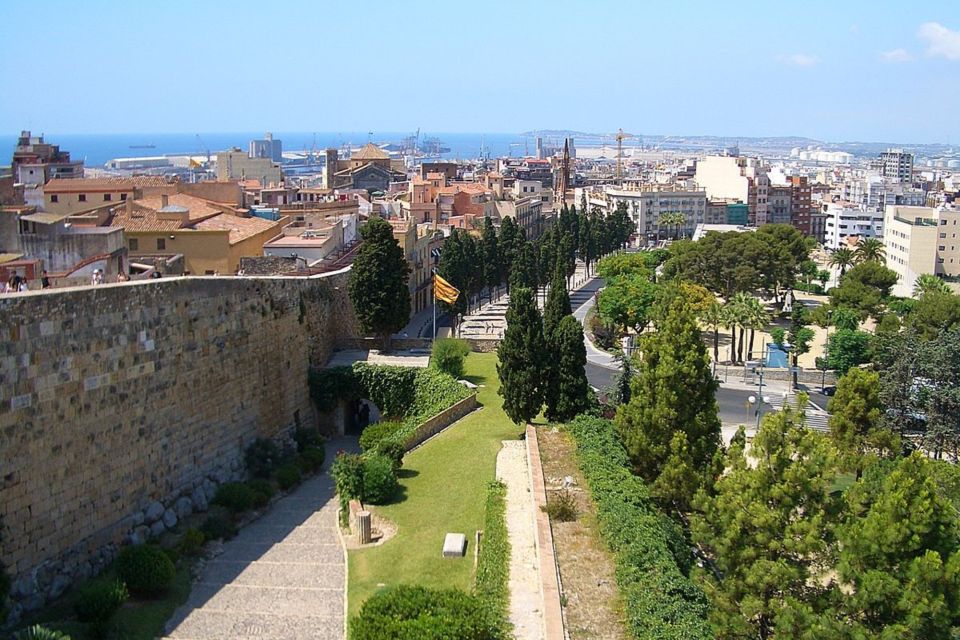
122, 405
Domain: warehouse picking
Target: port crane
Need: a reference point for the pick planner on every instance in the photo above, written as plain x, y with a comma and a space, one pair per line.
203, 147
621, 136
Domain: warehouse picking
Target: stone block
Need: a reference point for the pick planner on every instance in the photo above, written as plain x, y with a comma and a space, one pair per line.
154, 512
454, 545
183, 507
169, 519
199, 499
157, 529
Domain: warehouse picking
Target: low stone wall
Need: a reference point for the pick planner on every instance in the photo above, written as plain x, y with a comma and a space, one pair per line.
810, 377
398, 344
441, 421
483, 345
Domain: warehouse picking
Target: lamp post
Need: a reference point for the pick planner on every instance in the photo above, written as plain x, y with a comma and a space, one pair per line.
757, 402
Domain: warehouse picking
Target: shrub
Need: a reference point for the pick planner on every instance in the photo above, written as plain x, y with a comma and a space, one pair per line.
315, 456
394, 450
235, 496
146, 570
262, 457
390, 388
448, 355
305, 438
604, 335
192, 541
493, 565
262, 492
218, 526
288, 476
96, 601
561, 506
377, 432
36, 632
425, 614
652, 558
347, 472
329, 386
379, 479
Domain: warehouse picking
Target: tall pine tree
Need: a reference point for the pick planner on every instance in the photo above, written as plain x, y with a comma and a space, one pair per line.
378, 282
524, 272
568, 393
558, 303
455, 268
674, 391
522, 355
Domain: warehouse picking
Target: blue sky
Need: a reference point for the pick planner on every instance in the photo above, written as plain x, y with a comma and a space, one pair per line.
851, 70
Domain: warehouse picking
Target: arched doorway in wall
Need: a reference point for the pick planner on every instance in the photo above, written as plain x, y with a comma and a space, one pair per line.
359, 414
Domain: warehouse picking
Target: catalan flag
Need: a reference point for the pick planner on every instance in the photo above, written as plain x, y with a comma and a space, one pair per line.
443, 290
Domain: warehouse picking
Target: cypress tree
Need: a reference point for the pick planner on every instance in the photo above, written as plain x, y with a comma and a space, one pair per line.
455, 269
491, 256
568, 393
378, 282
524, 272
674, 391
508, 246
521, 356
558, 304
567, 255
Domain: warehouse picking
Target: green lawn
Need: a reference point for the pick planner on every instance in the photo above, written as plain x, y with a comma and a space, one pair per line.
443, 489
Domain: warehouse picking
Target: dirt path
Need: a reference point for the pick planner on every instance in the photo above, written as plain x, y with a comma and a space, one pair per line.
526, 601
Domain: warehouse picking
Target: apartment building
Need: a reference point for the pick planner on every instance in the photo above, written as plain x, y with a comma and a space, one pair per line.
921, 240
647, 202
736, 178
847, 221
238, 165
896, 164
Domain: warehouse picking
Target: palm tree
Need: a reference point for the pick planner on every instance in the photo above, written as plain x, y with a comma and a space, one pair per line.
737, 317
729, 320
714, 318
870, 250
843, 258
928, 283
672, 219
757, 318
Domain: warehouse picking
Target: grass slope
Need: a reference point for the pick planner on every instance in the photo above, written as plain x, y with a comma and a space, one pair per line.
443, 490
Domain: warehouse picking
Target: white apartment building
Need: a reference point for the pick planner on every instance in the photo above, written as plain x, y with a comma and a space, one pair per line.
921, 240
646, 202
876, 192
736, 178
846, 219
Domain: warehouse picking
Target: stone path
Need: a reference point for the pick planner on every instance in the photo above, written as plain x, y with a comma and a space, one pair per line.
526, 600
282, 577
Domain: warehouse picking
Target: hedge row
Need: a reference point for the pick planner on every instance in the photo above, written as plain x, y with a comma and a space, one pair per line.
493, 566
652, 558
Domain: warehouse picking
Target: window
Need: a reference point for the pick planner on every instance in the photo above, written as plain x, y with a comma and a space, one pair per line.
54, 198
941, 248
134, 244
82, 197
943, 235
107, 197
161, 244
942, 222
123, 196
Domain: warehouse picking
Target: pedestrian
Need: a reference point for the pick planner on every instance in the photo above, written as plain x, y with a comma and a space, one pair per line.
23, 285
44, 280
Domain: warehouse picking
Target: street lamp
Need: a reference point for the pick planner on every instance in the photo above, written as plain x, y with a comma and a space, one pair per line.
758, 402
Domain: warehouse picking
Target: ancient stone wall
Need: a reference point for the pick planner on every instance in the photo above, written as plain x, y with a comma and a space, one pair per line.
122, 405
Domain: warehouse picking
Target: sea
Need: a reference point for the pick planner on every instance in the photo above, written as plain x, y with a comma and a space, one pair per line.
97, 149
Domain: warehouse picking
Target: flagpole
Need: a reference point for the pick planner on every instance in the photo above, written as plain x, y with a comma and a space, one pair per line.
433, 291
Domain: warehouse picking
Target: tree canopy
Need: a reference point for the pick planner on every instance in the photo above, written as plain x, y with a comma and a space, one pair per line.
378, 281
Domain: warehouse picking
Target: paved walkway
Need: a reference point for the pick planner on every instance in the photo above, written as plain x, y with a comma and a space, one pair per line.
282, 577
526, 599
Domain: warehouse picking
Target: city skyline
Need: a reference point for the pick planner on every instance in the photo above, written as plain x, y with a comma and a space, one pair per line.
855, 72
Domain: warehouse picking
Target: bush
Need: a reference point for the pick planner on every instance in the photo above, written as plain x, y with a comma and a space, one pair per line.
651, 556
493, 565
377, 432
235, 496
347, 472
96, 602
262, 457
288, 476
262, 492
36, 632
218, 527
393, 450
314, 456
306, 438
448, 355
604, 335
561, 506
192, 541
425, 614
146, 570
379, 480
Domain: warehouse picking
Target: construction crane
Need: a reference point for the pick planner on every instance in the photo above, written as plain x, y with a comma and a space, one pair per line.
620, 138
202, 147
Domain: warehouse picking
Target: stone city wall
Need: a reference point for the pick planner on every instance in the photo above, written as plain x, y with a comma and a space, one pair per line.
122, 406
441, 421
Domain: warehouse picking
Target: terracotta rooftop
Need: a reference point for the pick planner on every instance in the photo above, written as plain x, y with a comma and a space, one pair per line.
240, 228
370, 151
79, 185
198, 207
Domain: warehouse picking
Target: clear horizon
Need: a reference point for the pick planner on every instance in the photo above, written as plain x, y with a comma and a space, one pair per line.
867, 74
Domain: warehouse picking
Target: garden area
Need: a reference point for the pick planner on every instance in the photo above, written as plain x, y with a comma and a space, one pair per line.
442, 489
